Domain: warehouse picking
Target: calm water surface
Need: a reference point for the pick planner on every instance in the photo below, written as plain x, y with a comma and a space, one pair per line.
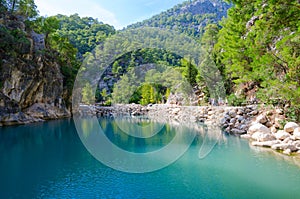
48, 160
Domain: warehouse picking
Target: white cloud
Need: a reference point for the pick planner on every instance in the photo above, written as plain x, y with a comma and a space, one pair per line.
150, 3
83, 8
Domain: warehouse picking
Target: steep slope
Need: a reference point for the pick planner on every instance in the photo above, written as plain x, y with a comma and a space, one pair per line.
31, 81
191, 17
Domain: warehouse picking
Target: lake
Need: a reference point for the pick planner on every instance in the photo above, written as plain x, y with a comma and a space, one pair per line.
49, 160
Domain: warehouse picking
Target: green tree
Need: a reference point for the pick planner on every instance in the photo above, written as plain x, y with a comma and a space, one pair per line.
104, 94
190, 72
116, 68
87, 94
84, 33
124, 89
27, 8
259, 42
47, 26
148, 93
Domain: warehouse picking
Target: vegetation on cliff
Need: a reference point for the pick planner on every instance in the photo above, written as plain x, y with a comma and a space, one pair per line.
38, 63
255, 47
259, 48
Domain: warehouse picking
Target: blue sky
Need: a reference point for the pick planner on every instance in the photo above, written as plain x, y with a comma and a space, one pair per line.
118, 13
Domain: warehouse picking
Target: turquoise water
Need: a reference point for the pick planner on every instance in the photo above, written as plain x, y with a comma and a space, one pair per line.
48, 160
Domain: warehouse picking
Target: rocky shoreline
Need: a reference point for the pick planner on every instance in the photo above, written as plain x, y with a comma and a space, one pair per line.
264, 127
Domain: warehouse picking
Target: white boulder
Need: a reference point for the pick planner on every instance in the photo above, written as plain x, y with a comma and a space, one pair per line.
281, 135
283, 146
262, 136
246, 136
290, 127
297, 133
266, 143
257, 127
175, 111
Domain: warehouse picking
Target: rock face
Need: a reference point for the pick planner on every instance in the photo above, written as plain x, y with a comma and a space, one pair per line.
205, 7
31, 83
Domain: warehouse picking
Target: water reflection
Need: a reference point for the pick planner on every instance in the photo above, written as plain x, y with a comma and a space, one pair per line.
48, 160
122, 151
138, 144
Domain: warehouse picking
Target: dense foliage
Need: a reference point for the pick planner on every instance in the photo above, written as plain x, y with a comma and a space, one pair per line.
259, 44
26, 8
83, 33
190, 17
256, 49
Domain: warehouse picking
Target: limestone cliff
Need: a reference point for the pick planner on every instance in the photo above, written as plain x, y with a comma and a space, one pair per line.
31, 82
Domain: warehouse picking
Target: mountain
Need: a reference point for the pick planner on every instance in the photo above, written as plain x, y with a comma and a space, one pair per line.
190, 17
38, 61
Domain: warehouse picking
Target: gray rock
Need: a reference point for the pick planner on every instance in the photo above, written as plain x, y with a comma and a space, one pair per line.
244, 127
233, 120
268, 124
232, 113
193, 119
297, 144
223, 121
255, 112
261, 119
240, 118
238, 131
292, 147
240, 111
251, 22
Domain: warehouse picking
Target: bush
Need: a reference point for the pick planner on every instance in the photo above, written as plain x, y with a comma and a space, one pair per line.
293, 113
233, 100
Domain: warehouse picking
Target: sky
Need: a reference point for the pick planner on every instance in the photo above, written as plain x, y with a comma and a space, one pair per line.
118, 13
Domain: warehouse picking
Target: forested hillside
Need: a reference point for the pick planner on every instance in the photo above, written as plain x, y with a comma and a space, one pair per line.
258, 47
83, 33
190, 17
255, 45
